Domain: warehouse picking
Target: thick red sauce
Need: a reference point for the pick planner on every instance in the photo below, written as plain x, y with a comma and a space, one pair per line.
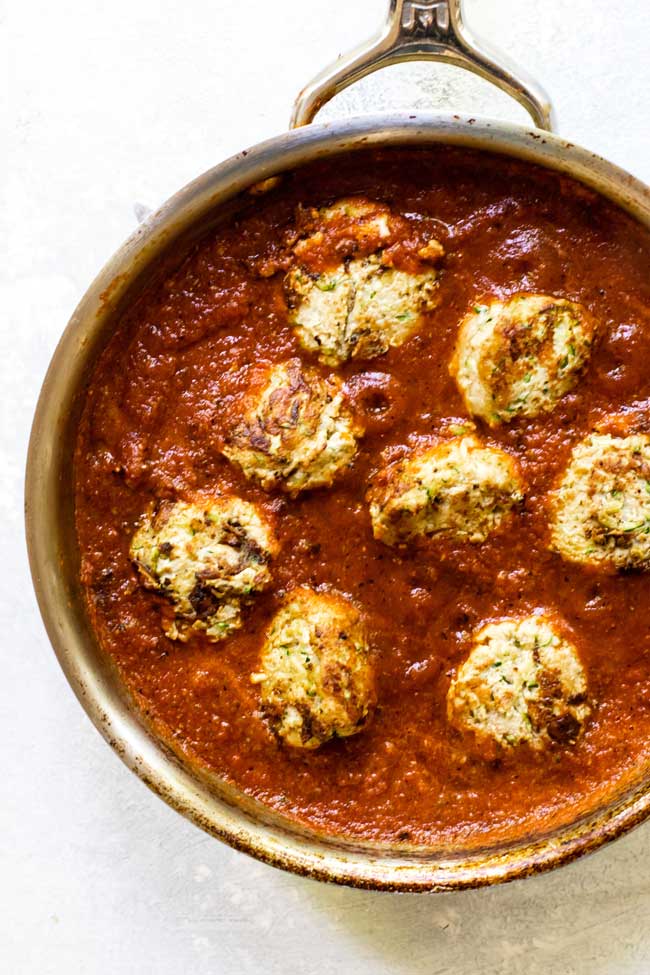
156, 412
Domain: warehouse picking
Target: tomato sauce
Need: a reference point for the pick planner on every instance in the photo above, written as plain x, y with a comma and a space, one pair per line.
155, 415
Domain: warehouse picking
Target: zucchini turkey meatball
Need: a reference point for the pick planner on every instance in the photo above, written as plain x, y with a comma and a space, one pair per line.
601, 507
207, 559
520, 356
346, 299
459, 488
316, 673
523, 682
297, 431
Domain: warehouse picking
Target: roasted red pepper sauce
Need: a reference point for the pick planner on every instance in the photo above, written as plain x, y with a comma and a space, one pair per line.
156, 412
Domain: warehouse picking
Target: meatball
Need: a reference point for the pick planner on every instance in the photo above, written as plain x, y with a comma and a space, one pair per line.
297, 431
207, 558
522, 683
316, 672
360, 310
359, 305
459, 488
520, 356
342, 230
601, 507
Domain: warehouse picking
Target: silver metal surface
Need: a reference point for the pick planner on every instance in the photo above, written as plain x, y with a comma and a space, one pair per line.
432, 30
54, 558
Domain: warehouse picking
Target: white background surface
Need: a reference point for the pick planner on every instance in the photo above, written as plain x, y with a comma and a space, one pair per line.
118, 103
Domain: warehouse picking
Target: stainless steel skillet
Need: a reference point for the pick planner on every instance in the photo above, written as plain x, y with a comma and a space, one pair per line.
423, 29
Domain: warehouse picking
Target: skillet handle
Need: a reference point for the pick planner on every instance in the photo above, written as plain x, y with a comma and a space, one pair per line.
431, 30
